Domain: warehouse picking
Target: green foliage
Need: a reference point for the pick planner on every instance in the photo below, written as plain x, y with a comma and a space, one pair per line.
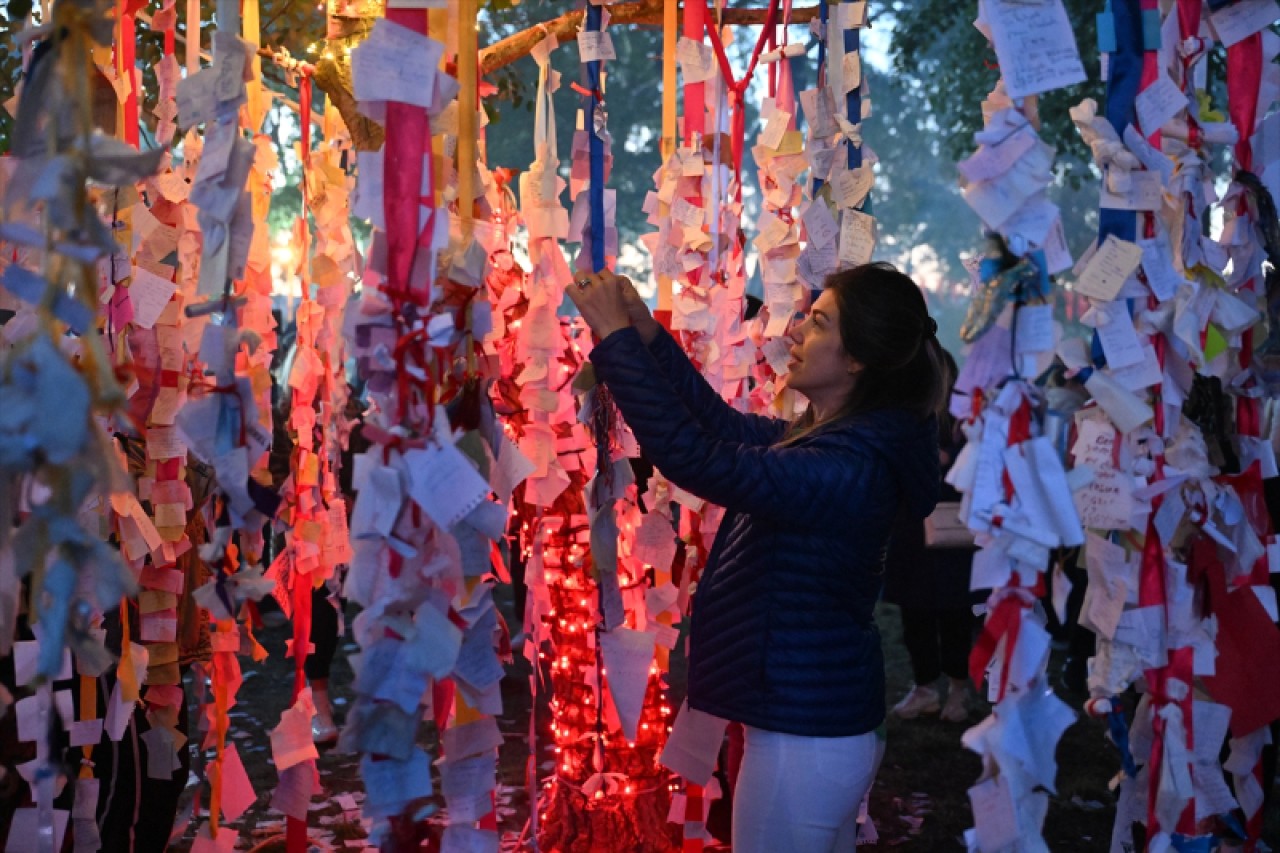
935, 45
10, 65
633, 99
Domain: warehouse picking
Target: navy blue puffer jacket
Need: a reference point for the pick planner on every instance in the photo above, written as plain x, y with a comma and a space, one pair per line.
783, 635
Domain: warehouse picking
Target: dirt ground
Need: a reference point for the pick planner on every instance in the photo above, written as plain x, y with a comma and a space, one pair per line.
918, 802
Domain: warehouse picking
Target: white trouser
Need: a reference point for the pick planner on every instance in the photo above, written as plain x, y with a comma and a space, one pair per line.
801, 794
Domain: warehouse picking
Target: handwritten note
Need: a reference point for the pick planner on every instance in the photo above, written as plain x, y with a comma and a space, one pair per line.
697, 62
857, 237
1118, 337
1157, 265
694, 744
1144, 192
1158, 103
852, 186
444, 483
819, 224
1106, 502
396, 64
149, 294
1035, 329
771, 138
992, 161
1035, 46
595, 46
1237, 22
1109, 268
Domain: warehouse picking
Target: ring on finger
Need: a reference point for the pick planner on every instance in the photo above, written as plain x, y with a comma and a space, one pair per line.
583, 283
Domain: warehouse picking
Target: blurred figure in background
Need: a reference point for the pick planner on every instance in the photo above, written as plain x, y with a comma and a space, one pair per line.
930, 584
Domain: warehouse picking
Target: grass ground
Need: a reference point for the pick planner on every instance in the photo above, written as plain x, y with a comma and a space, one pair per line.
919, 800
926, 773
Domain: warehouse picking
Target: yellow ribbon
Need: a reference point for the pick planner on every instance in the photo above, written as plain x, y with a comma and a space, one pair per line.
468, 133
670, 34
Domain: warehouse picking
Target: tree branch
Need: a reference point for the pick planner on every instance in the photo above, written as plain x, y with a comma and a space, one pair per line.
333, 78
643, 12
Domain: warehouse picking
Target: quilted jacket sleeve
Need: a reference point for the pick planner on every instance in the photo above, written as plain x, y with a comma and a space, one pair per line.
807, 486
707, 406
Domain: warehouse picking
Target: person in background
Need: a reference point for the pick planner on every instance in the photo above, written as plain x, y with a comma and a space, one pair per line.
930, 585
327, 605
783, 637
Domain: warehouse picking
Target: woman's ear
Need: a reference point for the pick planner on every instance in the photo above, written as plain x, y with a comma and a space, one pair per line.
853, 365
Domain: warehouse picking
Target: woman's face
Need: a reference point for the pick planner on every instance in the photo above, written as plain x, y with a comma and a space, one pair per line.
820, 367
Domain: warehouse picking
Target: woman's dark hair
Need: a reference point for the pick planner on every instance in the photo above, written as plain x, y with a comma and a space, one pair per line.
885, 325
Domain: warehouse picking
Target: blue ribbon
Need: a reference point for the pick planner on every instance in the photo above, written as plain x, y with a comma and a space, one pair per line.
1120, 737
1124, 75
853, 100
823, 15
1193, 844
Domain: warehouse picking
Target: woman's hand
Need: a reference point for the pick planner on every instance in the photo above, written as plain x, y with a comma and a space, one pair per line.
603, 302
639, 312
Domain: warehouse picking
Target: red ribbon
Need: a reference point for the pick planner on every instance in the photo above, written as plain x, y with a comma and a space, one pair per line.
1019, 431
301, 628
1244, 76
695, 94
1004, 621
408, 139
127, 61
738, 88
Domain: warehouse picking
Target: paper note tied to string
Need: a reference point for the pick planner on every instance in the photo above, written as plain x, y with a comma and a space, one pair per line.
1035, 46
26, 827
396, 64
857, 237
1035, 332
1144, 191
819, 224
237, 790
852, 186
470, 739
1157, 264
444, 483
1109, 268
1119, 338
994, 814
149, 294
1126, 410
694, 745
291, 740
697, 62
467, 785
594, 46
1159, 102
627, 655
293, 793
1236, 22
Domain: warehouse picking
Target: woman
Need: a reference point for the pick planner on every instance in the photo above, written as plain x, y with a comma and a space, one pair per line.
931, 587
783, 638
